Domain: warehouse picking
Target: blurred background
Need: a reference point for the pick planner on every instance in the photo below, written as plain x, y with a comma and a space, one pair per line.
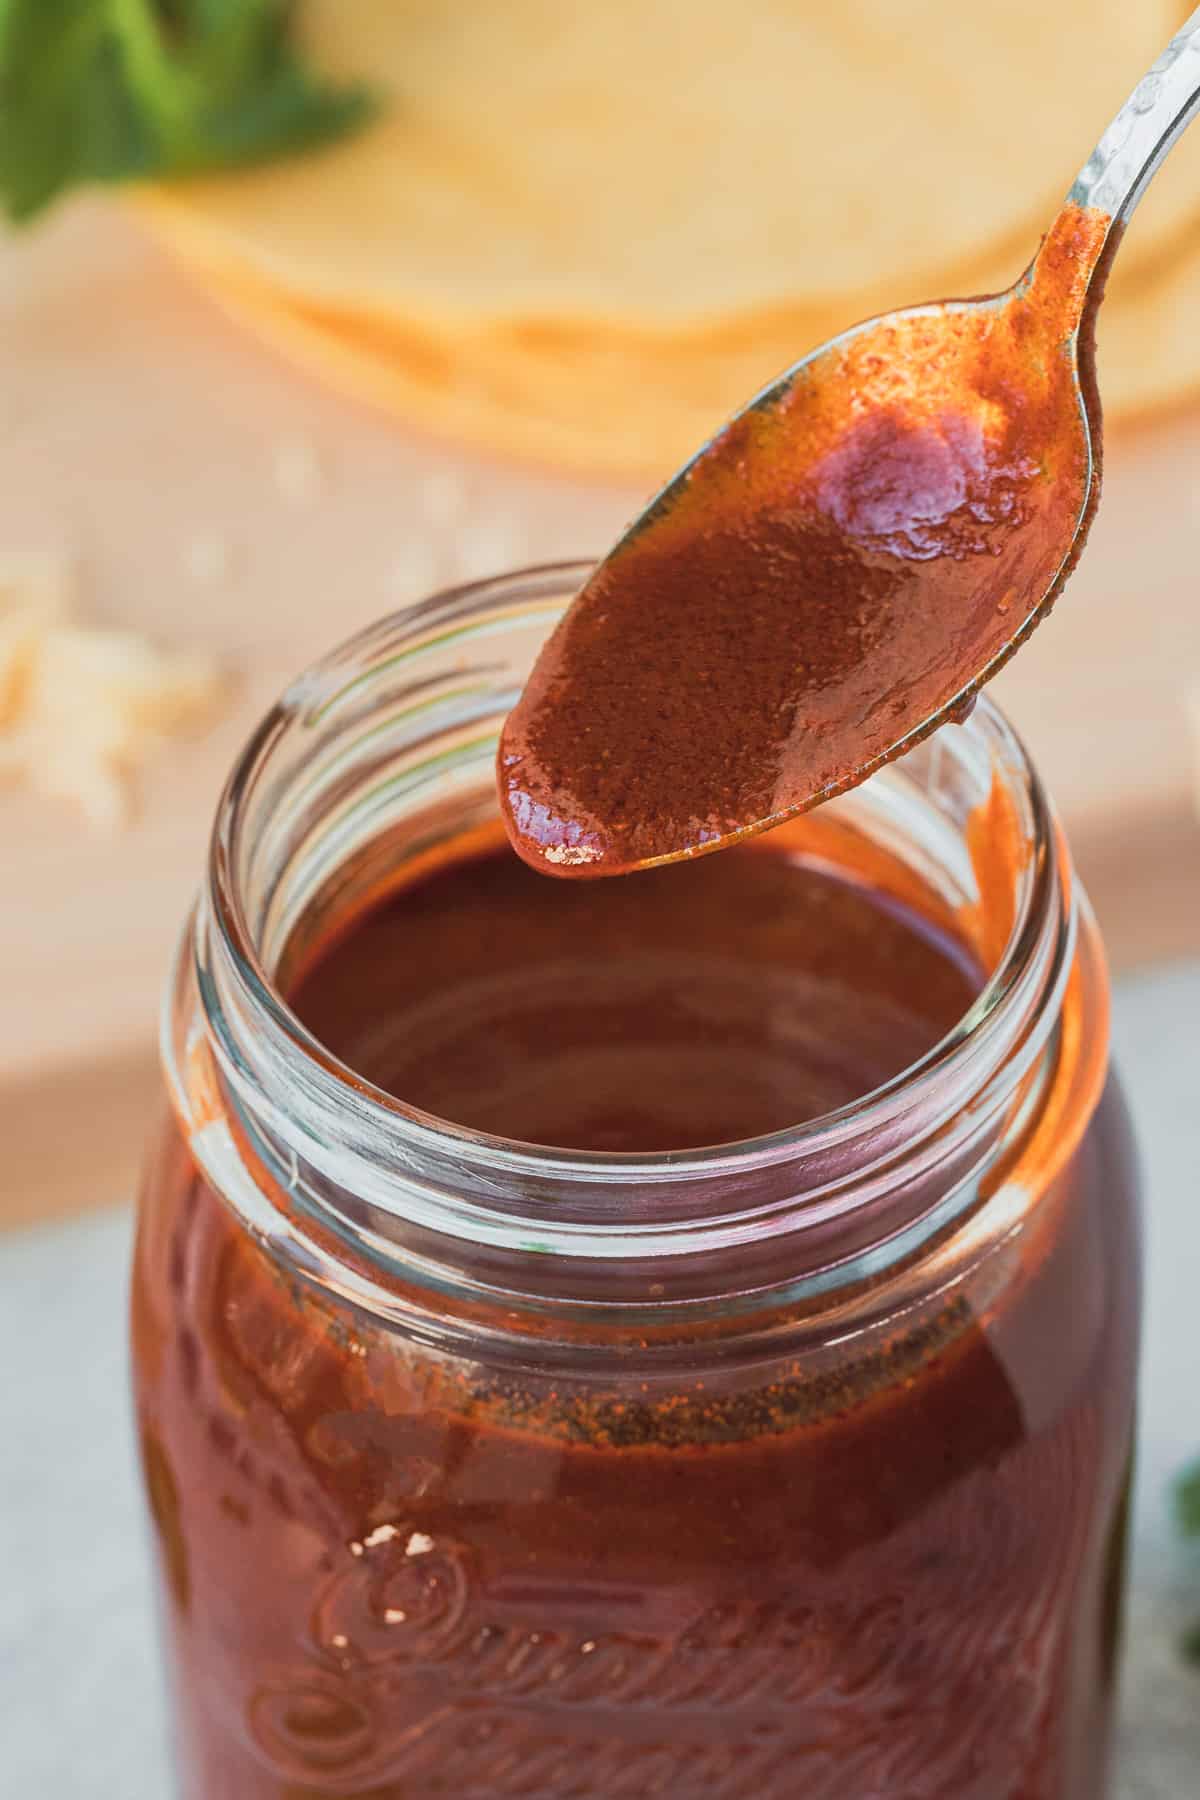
307, 310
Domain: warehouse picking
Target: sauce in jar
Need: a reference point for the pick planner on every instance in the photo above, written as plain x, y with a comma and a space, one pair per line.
693, 1006
793, 1467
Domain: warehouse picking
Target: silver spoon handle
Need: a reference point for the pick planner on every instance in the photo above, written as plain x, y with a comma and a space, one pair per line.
1159, 110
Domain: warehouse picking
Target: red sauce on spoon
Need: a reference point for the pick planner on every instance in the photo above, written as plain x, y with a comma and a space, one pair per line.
835, 573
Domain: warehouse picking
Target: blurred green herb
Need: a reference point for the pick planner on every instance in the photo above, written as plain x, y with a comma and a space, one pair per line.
114, 90
1187, 1501
1187, 1513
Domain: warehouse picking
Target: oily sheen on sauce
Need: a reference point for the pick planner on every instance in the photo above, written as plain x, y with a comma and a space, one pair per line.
840, 565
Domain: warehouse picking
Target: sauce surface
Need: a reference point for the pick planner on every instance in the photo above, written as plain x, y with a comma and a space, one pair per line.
697, 1006
833, 571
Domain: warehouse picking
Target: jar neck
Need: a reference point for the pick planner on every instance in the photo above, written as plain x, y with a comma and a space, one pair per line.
378, 761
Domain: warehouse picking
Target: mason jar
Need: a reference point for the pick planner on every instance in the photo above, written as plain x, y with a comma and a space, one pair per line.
796, 1466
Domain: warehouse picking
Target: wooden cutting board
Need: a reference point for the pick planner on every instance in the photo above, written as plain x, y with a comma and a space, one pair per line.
210, 495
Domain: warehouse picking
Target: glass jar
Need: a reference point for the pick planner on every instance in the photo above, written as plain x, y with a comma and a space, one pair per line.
796, 1466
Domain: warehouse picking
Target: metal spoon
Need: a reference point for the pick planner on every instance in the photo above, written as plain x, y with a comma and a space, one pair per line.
837, 571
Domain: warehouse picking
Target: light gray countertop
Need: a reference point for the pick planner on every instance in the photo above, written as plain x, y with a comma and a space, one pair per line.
81, 1707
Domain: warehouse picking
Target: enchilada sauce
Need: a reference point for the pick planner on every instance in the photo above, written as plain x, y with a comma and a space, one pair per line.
837, 568
886, 1569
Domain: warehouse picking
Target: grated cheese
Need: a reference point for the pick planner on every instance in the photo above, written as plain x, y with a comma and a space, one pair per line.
83, 706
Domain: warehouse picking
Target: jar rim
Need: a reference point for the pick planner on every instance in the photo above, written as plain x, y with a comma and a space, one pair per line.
409, 1129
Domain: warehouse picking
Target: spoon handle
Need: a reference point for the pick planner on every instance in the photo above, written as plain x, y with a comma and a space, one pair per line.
1159, 110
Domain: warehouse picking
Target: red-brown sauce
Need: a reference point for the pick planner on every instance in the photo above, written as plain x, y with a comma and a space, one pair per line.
696, 1006
833, 571
885, 1568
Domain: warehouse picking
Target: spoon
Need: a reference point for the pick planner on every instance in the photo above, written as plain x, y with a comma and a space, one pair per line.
841, 567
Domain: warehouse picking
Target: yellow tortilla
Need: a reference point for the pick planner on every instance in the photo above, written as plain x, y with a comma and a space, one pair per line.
640, 405
588, 232
667, 162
